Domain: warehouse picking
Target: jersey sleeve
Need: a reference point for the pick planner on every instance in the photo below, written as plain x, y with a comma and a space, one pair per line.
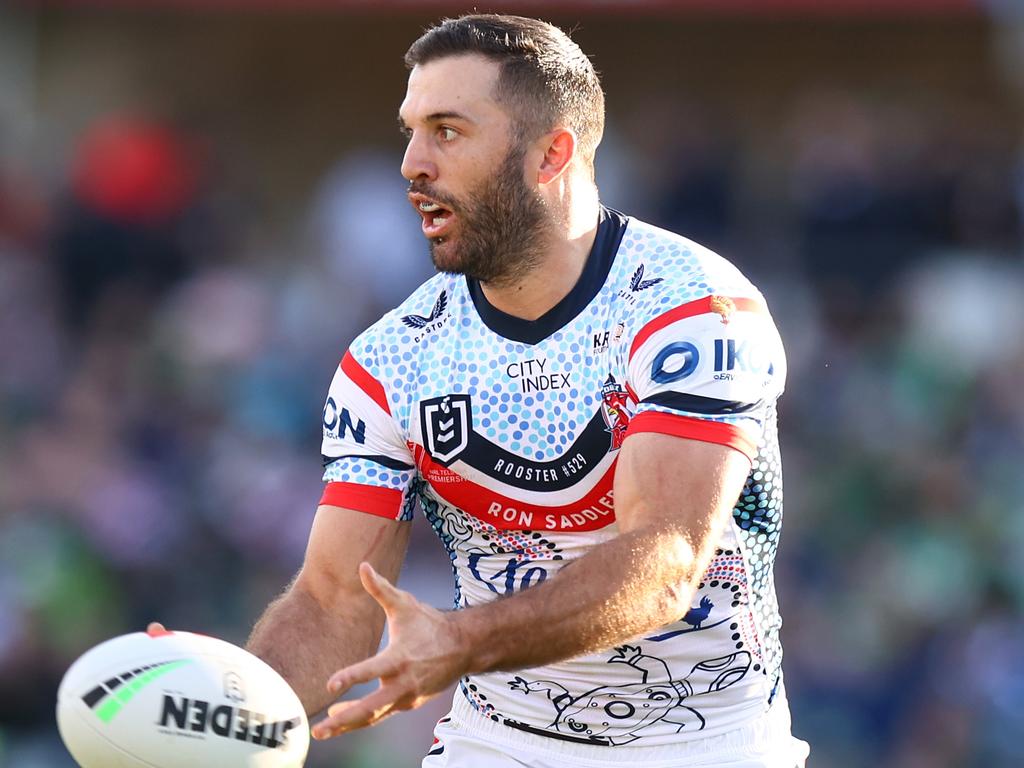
708, 370
367, 464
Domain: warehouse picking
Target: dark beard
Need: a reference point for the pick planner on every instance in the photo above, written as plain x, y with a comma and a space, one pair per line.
501, 228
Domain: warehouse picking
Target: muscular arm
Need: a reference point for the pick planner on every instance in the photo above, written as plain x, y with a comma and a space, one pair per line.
325, 619
672, 499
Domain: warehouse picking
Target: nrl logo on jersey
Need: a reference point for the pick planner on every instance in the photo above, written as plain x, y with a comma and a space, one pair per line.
447, 423
431, 322
637, 284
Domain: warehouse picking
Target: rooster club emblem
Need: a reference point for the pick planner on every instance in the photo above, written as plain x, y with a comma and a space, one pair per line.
615, 409
419, 321
724, 306
637, 282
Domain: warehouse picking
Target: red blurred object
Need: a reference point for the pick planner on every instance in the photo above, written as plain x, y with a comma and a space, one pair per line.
132, 169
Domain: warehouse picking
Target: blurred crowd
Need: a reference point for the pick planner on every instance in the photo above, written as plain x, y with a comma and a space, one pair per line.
165, 351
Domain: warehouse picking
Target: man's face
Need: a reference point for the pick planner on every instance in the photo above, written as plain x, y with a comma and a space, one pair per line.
467, 172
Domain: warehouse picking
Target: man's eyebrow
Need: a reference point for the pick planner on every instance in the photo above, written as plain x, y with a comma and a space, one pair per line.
437, 117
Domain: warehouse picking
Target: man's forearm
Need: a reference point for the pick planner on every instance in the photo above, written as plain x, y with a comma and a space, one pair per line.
625, 587
306, 642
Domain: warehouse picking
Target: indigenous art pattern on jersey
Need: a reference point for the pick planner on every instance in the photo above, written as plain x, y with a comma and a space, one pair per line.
505, 434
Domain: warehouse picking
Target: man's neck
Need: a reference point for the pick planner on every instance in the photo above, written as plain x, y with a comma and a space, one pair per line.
534, 293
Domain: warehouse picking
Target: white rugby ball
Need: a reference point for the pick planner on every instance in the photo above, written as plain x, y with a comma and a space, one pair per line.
179, 700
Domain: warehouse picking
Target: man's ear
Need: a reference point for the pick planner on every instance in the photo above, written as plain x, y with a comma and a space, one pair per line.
559, 148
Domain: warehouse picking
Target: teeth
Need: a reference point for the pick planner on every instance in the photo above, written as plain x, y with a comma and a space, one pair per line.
438, 221
429, 207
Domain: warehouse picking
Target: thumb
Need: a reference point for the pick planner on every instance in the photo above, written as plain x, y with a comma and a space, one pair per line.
379, 588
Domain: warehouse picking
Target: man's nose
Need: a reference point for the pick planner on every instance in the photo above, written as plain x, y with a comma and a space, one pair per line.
417, 163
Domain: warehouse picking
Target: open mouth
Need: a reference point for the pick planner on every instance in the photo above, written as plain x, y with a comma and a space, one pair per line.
436, 218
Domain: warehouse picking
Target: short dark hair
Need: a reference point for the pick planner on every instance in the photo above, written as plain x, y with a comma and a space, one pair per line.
545, 77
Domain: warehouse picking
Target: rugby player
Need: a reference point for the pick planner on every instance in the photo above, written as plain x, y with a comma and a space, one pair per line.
583, 408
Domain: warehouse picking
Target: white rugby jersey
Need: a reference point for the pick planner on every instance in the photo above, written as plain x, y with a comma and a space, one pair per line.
505, 432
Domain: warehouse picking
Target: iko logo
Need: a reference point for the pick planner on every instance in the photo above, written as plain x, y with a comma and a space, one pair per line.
447, 422
431, 322
342, 421
732, 355
688, 357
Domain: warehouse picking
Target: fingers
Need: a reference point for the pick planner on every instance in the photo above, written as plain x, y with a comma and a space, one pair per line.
372, 668
156, 629
379, 588
350, 715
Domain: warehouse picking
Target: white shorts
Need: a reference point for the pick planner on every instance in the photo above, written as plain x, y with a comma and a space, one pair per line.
467, 739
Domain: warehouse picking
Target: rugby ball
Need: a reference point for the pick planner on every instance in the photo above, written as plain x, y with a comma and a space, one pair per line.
178, 700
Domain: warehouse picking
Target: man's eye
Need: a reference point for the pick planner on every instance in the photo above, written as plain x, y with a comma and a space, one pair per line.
448, 134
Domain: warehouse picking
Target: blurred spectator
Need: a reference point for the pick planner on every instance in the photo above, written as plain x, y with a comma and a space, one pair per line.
119, 229
698, 198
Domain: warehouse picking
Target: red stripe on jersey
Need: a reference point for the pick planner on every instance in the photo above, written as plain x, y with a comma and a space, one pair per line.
365, 381
690, 309
695, 429
593, 511
383, 502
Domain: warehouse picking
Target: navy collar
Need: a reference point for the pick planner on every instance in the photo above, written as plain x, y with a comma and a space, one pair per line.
611, 226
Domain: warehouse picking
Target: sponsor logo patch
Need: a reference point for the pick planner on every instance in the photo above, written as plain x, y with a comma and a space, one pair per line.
674, 362
535, 376
430, 323
740, 356
603, 338
638, 284
194, 716
339, 424
447, 423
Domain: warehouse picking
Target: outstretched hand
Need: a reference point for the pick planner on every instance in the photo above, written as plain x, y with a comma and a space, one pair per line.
424, 656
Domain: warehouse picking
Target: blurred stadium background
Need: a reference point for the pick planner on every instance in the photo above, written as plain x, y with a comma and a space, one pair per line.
200, 206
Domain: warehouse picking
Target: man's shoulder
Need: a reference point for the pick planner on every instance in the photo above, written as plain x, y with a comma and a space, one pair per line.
657, 270
696, 323
675, 256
